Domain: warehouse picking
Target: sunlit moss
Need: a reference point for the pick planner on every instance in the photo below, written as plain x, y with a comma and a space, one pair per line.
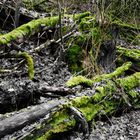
81, 80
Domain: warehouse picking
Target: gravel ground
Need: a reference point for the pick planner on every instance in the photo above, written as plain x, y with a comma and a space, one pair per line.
125, 127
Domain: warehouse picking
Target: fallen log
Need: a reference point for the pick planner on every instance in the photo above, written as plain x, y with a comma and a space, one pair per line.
43, 89
106, 99
16, 97
26, 116
34, 26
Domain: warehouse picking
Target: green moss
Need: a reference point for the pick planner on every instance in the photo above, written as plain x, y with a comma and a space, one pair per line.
125, 54
81, 39
30, 63
126, 25
103, 102
87, 23
116, 73
134, 94
130, 81
74, 57
129, 53
80, 101
81, 80
90, 110
30, 4
60, 122
81, 15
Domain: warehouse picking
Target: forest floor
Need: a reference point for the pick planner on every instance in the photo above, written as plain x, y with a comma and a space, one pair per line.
52, 70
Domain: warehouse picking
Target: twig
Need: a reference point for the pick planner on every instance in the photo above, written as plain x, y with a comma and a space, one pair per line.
50, 42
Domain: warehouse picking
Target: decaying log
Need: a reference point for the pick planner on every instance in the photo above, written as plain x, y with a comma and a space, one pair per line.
103, 101
26, 116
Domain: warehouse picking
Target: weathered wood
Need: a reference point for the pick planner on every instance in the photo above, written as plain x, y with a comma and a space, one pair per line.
63, 91
15, 97
25, 117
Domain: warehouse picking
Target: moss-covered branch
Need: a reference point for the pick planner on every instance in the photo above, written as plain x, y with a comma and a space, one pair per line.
34, 26
81, 80
29, 61
133, 55
27, 29
27, 57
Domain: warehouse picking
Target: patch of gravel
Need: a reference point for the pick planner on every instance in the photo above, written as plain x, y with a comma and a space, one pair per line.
125, 127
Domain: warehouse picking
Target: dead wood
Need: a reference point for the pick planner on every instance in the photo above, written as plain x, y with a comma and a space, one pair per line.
26, 116
13, 97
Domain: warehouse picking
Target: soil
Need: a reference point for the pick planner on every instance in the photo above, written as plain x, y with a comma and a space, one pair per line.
49, 70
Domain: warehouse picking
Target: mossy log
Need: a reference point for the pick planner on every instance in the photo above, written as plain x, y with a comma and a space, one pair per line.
132, 55
26, 116
27, 29
81, 80
33, 27
106, 99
